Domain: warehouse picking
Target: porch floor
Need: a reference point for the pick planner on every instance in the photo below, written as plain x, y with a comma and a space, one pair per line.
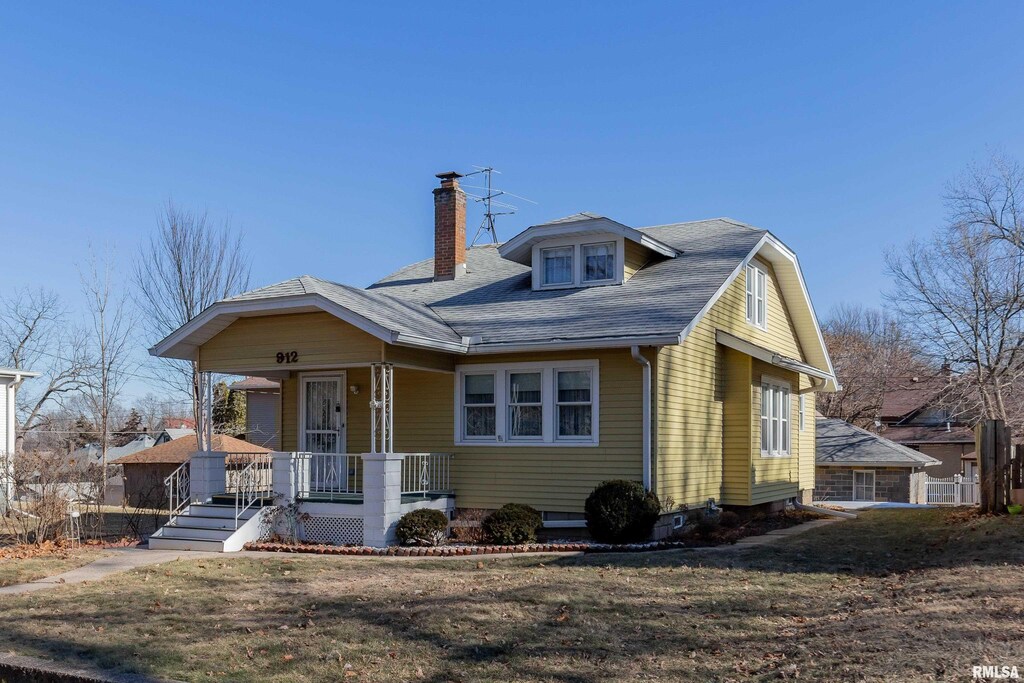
357, 498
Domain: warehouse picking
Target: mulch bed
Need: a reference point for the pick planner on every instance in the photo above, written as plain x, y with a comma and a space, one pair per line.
754, 527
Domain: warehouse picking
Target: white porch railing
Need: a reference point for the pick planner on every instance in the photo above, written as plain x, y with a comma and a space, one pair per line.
424, 473
328, 475
955, 490
248, 470
178, 487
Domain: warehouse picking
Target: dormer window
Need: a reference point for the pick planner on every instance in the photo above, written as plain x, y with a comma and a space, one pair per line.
583, 250
599, 262
557, 266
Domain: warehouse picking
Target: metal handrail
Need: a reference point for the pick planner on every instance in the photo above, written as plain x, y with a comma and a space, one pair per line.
247, 490
178, 484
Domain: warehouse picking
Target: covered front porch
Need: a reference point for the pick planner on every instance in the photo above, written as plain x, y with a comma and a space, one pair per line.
332, 496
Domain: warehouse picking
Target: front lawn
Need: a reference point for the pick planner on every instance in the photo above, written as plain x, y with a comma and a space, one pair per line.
22, 564
895, 595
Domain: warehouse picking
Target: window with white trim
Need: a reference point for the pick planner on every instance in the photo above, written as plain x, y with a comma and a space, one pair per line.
803, 408
598, 262
557, 266
775, 412
574, 401
525, 407
522, 404
757, 296
478, 406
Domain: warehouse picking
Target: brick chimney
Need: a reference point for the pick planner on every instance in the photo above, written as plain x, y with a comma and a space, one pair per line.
449, 228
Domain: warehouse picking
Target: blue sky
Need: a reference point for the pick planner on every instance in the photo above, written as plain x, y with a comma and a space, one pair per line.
318, 127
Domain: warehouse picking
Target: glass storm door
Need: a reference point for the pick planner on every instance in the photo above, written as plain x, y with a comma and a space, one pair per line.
323, 414
864, 486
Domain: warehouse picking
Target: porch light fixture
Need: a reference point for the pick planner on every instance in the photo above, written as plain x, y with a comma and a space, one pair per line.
354, 388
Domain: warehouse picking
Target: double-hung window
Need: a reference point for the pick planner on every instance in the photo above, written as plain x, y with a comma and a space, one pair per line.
775, 412
478, 407
525, 407
528, 403
757, 297
557, 266
599, 262
574, 400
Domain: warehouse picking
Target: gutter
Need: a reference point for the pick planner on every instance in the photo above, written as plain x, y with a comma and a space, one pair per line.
646, 364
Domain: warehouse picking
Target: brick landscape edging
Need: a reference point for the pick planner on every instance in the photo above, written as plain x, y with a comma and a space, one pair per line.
459, 550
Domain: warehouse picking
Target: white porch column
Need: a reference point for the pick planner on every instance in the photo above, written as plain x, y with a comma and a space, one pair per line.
206, 475
382, 497
284, 476
204, 429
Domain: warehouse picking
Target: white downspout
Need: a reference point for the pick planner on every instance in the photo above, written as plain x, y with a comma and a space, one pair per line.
635, 350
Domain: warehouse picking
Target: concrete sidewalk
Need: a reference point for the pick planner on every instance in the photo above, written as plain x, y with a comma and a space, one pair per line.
120, 560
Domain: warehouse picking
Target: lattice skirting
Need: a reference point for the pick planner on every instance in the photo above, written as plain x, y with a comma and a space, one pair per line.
334, 530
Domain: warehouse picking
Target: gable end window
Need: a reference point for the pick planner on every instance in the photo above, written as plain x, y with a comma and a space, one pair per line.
775, 412
757, 297
524, 404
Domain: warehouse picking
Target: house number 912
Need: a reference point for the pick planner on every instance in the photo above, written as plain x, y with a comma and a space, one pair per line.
287, 356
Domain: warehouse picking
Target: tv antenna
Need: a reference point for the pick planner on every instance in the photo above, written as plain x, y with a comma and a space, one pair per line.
491, 193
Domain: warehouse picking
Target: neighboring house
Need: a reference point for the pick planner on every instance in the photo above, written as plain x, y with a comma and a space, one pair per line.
84, 460
146, 470
855, 465
683, 356
262, 410
10, 380
176, 423
173, 433
915, 416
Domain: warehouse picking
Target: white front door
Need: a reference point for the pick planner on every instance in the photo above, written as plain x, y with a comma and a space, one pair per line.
322, 414
863, 485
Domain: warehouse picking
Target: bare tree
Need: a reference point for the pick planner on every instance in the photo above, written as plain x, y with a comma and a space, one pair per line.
872, 354
111, 345
189, 263
35, 334
963, 289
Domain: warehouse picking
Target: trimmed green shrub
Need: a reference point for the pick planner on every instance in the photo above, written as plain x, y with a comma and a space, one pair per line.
512, 524
729, 519
621, 511
422, 527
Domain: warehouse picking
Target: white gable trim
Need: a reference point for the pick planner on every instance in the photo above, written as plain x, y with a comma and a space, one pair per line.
183, 342
794, 291
520, 247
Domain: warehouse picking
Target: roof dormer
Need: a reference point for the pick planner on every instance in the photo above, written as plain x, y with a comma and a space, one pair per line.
583, 250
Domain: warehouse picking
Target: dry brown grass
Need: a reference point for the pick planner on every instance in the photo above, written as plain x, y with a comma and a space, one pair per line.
896, 595
20, 564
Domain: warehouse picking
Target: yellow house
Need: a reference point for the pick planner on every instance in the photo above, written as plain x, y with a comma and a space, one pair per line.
683, 356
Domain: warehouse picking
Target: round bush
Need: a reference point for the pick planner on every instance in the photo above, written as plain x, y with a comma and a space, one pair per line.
512, 524
729, 519
621, 512
422, 527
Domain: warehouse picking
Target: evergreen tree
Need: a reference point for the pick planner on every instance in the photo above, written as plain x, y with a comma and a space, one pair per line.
228, 410
129, 431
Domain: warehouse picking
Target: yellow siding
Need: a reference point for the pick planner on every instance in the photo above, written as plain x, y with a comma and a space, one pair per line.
551, 478
772, 478
705, 450
806, 437
737, 424
636, 258
558, 479
319, 339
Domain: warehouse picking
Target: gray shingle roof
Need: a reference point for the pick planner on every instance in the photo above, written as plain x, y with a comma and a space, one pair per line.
840, 443
494, 300
396, 314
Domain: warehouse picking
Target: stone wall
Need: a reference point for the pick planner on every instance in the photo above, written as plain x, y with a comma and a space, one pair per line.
892, 484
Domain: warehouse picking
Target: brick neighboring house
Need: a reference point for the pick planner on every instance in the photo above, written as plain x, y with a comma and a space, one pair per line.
914, 416
852, 464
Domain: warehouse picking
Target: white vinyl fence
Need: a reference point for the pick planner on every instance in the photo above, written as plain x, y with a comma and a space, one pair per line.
955, 490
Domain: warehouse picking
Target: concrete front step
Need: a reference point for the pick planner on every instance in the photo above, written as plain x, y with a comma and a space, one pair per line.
212, 527
156, 543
